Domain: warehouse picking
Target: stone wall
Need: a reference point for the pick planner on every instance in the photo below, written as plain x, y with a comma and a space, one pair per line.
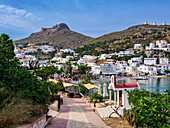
40, 123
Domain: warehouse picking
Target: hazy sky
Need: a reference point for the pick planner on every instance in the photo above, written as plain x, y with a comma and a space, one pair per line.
20, 18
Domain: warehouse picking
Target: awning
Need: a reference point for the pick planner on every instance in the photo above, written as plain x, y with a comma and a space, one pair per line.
68, 84
53, 80
90, 86
64, 84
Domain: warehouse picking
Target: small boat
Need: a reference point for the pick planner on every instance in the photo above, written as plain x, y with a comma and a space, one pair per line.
142, 78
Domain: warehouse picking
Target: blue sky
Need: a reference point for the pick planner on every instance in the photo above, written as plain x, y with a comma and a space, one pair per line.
20, 18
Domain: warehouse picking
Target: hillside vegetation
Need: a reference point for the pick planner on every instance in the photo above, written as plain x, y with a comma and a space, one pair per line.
116, 41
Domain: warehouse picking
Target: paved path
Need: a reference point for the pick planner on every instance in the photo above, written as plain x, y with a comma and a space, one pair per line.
75, 113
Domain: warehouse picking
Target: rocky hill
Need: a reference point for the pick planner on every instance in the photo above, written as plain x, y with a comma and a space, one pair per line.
116, 41
59, 35
141, 31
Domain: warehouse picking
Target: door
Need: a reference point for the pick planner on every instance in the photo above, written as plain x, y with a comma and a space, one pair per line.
120, 97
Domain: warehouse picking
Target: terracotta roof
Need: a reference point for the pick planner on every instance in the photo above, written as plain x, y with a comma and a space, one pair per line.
127, 85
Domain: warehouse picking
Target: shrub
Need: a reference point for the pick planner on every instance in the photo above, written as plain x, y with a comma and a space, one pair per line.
149, 109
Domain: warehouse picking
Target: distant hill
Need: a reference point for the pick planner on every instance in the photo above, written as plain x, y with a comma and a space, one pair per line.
138, 30
125, 39
59, 35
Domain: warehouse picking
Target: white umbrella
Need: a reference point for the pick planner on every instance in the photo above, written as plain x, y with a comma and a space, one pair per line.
105, 94
100, 89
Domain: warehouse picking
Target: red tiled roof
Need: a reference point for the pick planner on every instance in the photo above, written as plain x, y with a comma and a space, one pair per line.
127, 85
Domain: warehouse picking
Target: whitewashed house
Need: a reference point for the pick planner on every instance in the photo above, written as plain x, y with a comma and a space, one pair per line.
107, 68
165, 67
164, 61
96, 70
30, 57
67, 50
59, 66
158, 68
81, 62
126, 53
89, 58
46, 48
138, 46
147, 69
135, 61
121, 65
19, 55
43, 63
104, 56
164, 42
160, 47
150, 61
132, 70
30, 51
150, 47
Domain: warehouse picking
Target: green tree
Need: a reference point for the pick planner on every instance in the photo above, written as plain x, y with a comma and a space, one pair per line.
167, 71
83, 69
15, 78
149, 109
46, 72
20, 91
68, 69
146, 73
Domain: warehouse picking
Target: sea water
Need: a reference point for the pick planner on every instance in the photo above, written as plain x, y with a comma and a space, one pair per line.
156, 85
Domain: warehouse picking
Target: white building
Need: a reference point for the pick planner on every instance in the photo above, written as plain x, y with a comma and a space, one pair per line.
81, 62
164, 61
138, 46
30, 57
154, 23
121, 65
150, 61
120, 93
43, 63
164, 42
160, 47
89, 59
30, 51
107, 68
125, 53
46, 48
67, 50
150, 47
96, 70
19, 55
135, 61
165, 67
104, 56
59, 66
147, 69
132, 70
158, 68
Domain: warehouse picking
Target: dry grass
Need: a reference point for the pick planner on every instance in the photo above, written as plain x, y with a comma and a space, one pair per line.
18, 111
117, 122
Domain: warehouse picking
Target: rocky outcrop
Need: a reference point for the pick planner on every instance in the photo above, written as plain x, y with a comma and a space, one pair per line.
59, 35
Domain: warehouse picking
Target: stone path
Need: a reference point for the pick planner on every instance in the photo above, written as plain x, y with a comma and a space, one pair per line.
75, 113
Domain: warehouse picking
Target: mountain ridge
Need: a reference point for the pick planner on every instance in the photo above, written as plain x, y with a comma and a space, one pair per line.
59, 35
